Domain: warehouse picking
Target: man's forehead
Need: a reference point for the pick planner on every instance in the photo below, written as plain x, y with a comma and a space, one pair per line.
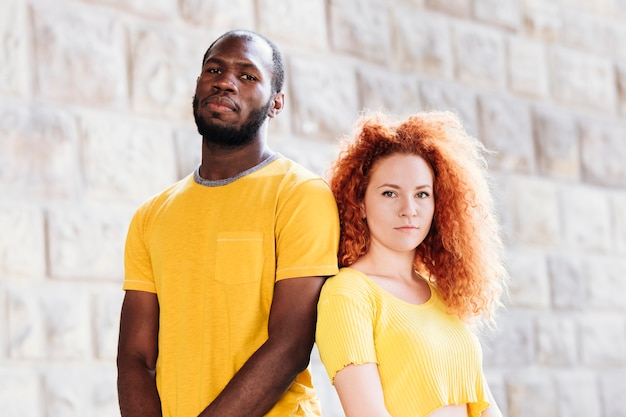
247, 46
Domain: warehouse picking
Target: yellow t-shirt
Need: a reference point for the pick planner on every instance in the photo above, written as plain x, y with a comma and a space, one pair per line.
212, 252
426, 357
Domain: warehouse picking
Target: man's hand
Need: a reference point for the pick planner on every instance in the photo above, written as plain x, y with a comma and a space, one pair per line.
271, 370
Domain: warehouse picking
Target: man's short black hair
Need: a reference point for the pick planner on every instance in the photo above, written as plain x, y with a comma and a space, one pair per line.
278, 70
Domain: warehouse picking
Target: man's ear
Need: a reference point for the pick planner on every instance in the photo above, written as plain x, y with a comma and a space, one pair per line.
278, 102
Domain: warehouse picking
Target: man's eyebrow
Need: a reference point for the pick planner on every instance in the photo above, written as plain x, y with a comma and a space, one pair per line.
240, 64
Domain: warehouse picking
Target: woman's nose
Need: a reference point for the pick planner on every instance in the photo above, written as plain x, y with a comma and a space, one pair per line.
409, 208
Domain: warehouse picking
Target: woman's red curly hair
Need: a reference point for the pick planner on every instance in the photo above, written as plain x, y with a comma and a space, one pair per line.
461, 254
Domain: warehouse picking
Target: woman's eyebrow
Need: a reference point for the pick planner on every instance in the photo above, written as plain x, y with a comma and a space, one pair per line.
394, 186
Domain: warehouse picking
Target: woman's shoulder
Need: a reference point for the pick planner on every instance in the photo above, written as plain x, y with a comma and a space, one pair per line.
348, 282
349, 276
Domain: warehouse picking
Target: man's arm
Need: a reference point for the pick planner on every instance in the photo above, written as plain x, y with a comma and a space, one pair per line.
137, 354
269, 372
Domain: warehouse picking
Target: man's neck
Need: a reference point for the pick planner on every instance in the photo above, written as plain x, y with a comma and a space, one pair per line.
219, 163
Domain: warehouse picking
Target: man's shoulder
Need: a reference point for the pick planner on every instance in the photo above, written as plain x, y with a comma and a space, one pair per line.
166, 194
294, 169
294, 176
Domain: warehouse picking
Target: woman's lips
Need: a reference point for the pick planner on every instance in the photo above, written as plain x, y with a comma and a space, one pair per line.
406, 228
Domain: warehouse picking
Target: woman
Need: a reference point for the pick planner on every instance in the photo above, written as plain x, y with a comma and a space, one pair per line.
421, 268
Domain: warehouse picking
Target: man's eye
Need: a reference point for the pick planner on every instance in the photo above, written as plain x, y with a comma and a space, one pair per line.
248, 77
212, 70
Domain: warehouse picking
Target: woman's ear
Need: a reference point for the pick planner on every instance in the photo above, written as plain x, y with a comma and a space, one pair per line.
362, 210
278, 102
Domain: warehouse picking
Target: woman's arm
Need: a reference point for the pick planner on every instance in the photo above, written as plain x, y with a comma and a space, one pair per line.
360, 391
493, 410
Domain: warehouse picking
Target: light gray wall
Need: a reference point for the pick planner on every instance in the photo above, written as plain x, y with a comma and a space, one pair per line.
95, 106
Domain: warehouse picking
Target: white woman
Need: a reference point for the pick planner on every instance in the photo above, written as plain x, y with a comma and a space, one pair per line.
421, 270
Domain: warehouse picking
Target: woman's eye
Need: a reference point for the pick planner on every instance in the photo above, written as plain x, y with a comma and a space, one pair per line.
422, 194
389, 193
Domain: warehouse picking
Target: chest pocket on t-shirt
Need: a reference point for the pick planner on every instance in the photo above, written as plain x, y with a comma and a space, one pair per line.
239, 257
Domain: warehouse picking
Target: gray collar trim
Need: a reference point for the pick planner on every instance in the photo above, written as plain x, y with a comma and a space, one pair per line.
226, 181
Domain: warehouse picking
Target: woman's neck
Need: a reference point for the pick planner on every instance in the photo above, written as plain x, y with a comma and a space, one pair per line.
386, 263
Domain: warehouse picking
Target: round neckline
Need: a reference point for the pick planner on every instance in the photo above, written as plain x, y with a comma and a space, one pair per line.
218, 183
387, 294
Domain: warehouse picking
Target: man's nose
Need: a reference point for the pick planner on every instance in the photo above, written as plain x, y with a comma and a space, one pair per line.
225, 82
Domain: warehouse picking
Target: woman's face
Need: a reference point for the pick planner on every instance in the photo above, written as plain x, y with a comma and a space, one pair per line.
399, 202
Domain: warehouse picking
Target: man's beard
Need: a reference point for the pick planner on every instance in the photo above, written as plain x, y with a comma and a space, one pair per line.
230, 136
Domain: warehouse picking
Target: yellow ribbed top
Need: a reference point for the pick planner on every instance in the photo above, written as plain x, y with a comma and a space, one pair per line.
426, 357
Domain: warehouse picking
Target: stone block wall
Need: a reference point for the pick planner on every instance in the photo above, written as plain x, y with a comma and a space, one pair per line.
95, 116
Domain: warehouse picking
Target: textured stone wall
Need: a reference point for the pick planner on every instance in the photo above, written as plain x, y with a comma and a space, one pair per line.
95, 106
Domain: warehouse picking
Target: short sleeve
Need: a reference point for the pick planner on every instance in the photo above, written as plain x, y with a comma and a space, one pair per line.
138, 273
307, 231
345, 327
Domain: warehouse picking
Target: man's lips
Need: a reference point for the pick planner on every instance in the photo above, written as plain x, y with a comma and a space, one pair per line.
220, 103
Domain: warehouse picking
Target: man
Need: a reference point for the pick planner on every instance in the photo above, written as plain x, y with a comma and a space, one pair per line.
223, 269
